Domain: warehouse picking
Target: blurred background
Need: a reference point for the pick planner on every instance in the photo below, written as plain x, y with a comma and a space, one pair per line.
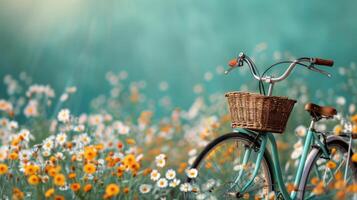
174, 49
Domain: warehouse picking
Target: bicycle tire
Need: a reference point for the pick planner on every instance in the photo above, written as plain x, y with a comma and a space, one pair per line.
315, 154
266, 161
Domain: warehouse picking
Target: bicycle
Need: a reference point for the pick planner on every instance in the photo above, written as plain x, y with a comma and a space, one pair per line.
237, 165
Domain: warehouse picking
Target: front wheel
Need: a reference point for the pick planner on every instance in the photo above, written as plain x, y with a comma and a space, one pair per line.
326, 178
227, 164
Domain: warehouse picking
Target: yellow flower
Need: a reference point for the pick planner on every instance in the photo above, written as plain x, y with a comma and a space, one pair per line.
354, 118
13, 156
354, 157
3, 168
52, 171
31, 169
331, 165
314, 181
89, 168
87, 188
112, 190
49, 192
129, 159
341, 195
339, 175
72, 175
130, 141
33, 180
59, 180
340, 184
354, 129
90, 153
75, 187
337, 129
352, 188
319, 189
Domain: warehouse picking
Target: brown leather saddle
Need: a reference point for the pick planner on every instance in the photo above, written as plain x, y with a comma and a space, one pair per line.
319, 112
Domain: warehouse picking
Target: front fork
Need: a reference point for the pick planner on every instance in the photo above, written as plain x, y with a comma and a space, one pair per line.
257, 164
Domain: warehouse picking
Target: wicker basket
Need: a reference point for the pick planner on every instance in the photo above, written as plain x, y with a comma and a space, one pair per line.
258, 112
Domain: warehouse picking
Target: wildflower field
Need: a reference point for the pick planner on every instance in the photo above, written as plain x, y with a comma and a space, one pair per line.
122, 149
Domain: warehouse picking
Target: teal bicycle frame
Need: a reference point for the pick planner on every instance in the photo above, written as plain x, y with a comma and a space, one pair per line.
310, 140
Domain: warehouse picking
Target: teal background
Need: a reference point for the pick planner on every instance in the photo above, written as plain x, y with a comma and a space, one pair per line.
75, 42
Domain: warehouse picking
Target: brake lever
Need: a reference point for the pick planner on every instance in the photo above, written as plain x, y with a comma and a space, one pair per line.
313, 68
229, 70
240, 63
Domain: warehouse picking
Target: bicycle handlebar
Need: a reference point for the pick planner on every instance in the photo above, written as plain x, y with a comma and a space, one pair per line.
323, 62
242, 58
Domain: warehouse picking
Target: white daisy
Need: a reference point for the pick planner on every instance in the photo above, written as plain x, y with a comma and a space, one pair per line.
145, 188
170, 174
84, 138
61, 138
63, 115
25, 134
25, 155
47, 144
162, 183
154, 175
175, 183
300, 131
160, 160
192, 173
13, 125
185, 187
59, 155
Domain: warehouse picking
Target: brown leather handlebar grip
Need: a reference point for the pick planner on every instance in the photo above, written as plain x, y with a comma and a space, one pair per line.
233, 62
319, 61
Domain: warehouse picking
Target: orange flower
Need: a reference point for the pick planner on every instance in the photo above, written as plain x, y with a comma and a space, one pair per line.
352, 188
31, 169
89, 168
147, 171
90, 153
337, 129
75, 187
130, 141
16, 141
129, 159
126, 190
13, 156
354, 118
52, 170
3, 168
340, 184
354, 157
319, 189
339, 175
112, 190
314, 181
72, 175
17, 194
33, 180
331, 165
354, 129
87, 188
49, 192
59, 197
99, 147
59, 180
